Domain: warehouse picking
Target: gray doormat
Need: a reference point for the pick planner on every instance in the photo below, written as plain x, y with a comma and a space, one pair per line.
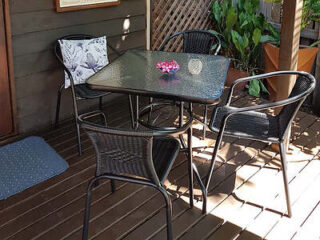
26, 163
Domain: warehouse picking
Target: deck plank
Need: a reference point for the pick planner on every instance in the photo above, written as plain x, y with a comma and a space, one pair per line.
309, 228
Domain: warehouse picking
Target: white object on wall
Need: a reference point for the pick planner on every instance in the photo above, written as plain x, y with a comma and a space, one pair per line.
148, 21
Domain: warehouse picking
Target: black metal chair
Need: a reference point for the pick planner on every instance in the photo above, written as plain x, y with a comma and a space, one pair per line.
81, 91
250, 123
141, 157
200, 42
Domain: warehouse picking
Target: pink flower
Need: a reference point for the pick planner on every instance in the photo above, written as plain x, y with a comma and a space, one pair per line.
166, 66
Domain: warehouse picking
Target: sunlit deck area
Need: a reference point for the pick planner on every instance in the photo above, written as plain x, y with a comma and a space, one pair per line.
247, 174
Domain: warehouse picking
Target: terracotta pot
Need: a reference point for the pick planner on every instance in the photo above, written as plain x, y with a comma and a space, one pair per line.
306, 58
234, 74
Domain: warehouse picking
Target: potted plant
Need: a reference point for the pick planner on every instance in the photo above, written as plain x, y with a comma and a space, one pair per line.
306, 54
240, 26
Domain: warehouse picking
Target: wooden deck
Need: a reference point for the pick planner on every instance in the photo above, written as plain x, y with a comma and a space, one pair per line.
247, 171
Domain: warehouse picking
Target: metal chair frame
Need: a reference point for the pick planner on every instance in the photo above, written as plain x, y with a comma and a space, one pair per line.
153, 181
75, 97
299, 98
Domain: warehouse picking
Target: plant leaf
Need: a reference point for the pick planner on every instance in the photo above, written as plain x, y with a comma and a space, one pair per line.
263, 88
224, 7
231, 17
254, 88
214, 32
245, 41
245, 22
214, 47
273, 1
267, 38
237, 41
315, 44
256, 37
216, 10
275, 33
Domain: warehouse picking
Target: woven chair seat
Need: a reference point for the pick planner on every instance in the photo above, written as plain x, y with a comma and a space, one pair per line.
250, 125
83, 92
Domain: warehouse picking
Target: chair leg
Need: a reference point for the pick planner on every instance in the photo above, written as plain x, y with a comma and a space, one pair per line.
205, 117
285, 177
87, 210
213, 161
190, 167
214, 156
113, 185
168, 211
203, 188
78, 139
103, 116
56, 123
131, 111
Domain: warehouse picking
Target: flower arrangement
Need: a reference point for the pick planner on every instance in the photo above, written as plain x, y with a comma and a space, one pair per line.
168, 67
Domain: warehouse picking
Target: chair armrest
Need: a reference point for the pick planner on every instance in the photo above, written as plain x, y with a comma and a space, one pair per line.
103, 129
257, 108
218, 47
264, 106
262, 76
218, 44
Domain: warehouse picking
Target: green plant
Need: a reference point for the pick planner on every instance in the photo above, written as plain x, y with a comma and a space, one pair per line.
310, 13
240, 27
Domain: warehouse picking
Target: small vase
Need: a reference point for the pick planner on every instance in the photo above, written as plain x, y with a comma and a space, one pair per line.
195, 66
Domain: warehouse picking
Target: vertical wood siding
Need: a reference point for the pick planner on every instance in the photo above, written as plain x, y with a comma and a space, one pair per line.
35, 27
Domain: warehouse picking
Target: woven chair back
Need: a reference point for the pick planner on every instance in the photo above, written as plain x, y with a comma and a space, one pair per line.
124, 155
194, 41
197, 42
288, 112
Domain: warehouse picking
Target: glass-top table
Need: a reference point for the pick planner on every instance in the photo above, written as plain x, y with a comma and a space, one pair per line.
135, 73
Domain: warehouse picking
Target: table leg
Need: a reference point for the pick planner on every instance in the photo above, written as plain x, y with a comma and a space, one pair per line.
203, 188
198, 177
190, 167
184, 145
181, 114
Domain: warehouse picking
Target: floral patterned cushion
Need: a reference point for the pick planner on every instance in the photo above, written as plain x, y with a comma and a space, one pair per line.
83, 58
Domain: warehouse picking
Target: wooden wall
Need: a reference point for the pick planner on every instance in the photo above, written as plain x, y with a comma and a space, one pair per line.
35, 27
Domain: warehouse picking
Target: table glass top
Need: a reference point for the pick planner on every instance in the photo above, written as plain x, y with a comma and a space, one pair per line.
135, 72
